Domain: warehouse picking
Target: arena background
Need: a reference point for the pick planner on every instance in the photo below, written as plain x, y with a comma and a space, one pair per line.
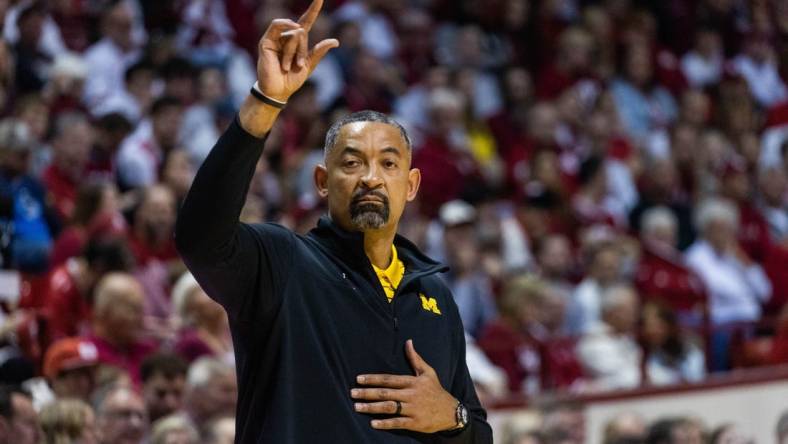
607, 180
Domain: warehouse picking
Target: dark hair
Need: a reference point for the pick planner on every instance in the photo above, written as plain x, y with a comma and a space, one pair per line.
177, 67
167, 364
361, 116
135, 68
589, 169
108, 254
88, 201
114, 122
674, 347
660, 432
6, 399
164, 102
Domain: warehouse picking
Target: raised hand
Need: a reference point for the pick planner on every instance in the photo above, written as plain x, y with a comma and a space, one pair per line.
424, 406
285, 60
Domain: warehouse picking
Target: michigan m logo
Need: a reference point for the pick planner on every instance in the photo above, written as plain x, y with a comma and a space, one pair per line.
429, 304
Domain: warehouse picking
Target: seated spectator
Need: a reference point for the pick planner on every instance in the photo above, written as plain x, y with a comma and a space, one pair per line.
121, 417
753, 232
177, 173
594, 203
31, 63
211, 391
556, 263
69, 366
23, 206
564, 422
72, 142
143, 151
571, 63
163, 382
662, 274
604, 264
702, 65
627, 427
736, 286
151, 233
174, 429
471, 287
95, 213
18, 419
205, 329
118, 324
68, 295
134, 99
758, 64
68, 421
671, 357
609, 351
222, 431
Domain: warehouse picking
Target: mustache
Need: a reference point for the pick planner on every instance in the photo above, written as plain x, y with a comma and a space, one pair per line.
363, 193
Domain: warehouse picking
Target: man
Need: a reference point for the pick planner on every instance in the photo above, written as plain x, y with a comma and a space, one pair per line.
211, 391
163, 382
121, 417
69, 366
118, 324
314, 317
18, 419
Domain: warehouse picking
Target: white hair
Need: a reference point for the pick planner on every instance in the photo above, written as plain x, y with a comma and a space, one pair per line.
716, 209
657, 217
182, 293
173, 424
616, 295
204, 370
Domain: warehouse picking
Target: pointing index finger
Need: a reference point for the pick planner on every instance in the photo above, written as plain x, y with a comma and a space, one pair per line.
308, 18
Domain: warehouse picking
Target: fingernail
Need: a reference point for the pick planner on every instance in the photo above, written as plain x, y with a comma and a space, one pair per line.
354, 392
375, 423
301, 62
357, 406
360, 379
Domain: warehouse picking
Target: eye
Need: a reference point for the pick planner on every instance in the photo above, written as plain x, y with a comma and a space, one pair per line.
389, 164
350, 163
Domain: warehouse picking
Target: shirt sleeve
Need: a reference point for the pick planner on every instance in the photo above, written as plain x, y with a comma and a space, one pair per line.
241, 266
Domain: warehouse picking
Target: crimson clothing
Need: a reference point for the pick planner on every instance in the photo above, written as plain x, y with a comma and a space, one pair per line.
68, 310
68, 244
129, 358
663, 276
753, 232
515, 353
62, 189
144, 252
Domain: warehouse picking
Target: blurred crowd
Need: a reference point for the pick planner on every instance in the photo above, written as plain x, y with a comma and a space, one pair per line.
606, 180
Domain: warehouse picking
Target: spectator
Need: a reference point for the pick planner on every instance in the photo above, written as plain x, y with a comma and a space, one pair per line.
142, 153
625, 428
604, 265
676, 431
71, 143
773, 186
96, 213
174, 430
163, 382
728, 434
471, 287
204, 327
151, 234
662, 274
31, 64
554, 257
69, 366
109, 58
609, 351
26, 232
736, 286
121, 417
69, 288
564, 422
211, 390
571, 64
758, 65
68, 420
222, 431
671, 357
118, 330
134, 99
702, 65
177, 173
18, 419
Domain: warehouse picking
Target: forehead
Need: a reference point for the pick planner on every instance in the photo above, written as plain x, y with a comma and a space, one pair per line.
370, 135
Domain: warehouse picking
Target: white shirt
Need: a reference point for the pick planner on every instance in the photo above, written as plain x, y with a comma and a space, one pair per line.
51, 41
585, 307
701, 71
107, 65
119, 102
692, 368
612, 360
764, 80
735, 291
139, 157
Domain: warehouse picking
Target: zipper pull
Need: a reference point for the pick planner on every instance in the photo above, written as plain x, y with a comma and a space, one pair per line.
396, 323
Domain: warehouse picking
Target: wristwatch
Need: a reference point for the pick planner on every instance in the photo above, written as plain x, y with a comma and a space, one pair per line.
461, 414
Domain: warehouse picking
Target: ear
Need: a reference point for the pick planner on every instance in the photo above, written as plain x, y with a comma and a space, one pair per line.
414, 180
321, 180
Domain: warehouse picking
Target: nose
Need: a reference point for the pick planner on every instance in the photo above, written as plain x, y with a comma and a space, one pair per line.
371, 179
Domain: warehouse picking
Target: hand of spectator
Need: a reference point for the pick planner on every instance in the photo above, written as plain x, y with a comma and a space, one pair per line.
285, 61
424, 406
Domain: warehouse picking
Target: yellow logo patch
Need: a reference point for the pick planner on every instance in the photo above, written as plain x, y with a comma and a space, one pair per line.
429, 304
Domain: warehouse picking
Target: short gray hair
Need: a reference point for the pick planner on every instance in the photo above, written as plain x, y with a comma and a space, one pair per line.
203, 370
361, 116
657, 217
716, 208
173, 424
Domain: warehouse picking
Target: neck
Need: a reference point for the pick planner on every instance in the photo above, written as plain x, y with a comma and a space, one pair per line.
377, 246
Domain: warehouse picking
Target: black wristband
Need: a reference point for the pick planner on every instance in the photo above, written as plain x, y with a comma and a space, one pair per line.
265, 99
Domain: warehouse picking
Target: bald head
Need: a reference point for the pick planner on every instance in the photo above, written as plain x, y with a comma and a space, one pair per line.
118, 308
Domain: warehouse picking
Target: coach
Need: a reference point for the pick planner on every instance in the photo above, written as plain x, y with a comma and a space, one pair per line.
326, 326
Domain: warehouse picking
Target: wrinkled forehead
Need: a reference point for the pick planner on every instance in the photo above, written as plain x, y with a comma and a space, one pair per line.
371, 138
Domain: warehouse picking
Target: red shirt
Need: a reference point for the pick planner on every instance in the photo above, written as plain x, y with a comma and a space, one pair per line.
144, 252
128, 359
62, 189
662, 276
67, 309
